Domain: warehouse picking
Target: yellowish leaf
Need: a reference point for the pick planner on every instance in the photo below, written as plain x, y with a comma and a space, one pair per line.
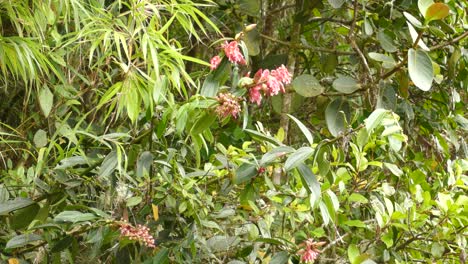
155, 212
13, 261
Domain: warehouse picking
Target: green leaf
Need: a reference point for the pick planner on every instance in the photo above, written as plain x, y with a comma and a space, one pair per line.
436, 11
22, 240
414, 36
23, 217
298, 157
353, 253
345, 84
336, 3
274, 154
245, 172
133, 201
74, 217
414, 21
393, 169
162, 257
357, 198
355, 223
62, 244
259, 136
250, 7
144, 162
12, 205
281, 257
252, 41
386, 41
420, 69
307, 85
203, 123
375, 119
303, 129
309, 180
46, 100
40, 138
337, 115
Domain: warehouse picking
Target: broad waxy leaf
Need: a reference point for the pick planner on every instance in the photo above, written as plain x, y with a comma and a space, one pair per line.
304, 129
298, 157
345, 84
74, 217
437, 11
12, 205
245, 172
420, 69
22, 240
337, 115
309, 180
307, 85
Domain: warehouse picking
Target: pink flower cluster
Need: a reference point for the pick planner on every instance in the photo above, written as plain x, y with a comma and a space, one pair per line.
231, 49
215, 61
139, 233
232, 52
270, 83
228, 105
310, 253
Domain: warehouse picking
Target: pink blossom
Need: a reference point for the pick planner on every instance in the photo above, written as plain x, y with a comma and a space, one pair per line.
233, 53
282, 74
274, 86
215, 61
228, 105
254, 94
139, 233
261, 76
310, 253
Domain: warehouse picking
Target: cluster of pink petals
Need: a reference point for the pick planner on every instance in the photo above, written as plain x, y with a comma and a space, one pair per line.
215, 61
270, 83
232, 51
310, 253
228, 105
139, 233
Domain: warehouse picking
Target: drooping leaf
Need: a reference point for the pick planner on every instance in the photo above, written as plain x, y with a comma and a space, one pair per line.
12, 205
303, 129
274, 154
307, 85
23, 217
345, 84
420, 69
22, 240
144, 162
414, 21
337, 115
298, 157
375, 119
309, 180
245, 172
414, 37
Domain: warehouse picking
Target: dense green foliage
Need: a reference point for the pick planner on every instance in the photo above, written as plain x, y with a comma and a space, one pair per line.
113, 122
